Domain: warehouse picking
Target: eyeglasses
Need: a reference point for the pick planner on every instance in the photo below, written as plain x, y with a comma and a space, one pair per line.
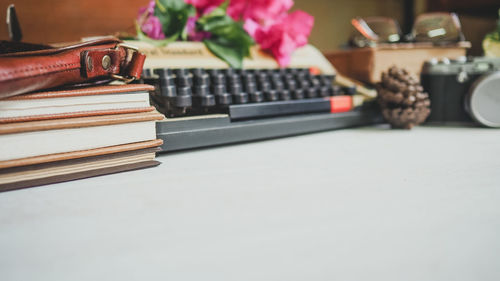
437, 28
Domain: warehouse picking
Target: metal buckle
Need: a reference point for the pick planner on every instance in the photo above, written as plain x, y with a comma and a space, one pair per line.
127, 46
123, 78
129, 49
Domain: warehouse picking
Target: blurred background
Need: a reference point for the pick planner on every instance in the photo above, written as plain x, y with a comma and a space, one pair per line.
68, 20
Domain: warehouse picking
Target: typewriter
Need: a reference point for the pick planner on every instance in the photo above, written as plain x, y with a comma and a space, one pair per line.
205, 103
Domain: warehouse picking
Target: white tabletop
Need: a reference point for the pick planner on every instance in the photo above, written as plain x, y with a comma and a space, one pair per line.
358, 204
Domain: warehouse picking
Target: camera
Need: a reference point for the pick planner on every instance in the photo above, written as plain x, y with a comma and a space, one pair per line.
465, 90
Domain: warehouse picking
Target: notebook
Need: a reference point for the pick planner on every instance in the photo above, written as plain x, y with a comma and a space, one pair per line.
35, 138
76, 102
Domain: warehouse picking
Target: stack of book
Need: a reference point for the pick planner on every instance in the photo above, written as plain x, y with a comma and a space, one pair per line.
55, 136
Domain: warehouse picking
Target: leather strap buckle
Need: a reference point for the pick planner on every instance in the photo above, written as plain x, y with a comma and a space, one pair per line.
135, 62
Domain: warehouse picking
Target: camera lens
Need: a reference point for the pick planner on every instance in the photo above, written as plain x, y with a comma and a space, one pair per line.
483, 100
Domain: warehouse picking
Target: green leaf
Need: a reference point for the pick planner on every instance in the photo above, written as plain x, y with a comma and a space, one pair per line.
229, 41
217, 12
225, 52
173, 15
159, 43
170, 4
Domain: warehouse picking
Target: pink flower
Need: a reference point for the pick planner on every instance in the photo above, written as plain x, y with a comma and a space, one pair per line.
283, 36
193, 34
261, 11
149, 23
148, 10
152, 28
272, 28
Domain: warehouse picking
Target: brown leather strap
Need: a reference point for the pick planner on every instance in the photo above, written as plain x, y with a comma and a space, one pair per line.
101, 62
81, 63
136, 64
104, 62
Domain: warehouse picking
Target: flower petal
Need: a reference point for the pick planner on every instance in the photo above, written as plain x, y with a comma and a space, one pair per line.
152, 28
283, 36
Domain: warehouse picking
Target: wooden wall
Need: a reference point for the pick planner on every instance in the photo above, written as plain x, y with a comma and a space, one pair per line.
478, 8
333, 27
49, 21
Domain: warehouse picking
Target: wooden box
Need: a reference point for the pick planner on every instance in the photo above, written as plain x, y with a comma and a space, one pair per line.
367, 64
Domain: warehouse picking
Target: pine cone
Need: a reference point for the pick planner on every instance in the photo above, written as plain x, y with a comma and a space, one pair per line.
402, 99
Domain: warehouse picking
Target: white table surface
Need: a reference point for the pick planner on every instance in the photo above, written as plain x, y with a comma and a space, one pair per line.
358, 204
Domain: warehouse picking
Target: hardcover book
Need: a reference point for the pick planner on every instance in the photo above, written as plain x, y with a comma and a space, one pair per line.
367, 64
77, 168
76, 102
35, 138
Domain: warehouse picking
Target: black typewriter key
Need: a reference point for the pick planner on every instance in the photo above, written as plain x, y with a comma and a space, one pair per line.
269, 71
310, 93
228, 71
336, 90
207, 101
218, 89
301, 72
324, 91
285, 95
290, 84
250, 87
184, 81
314, 81
233, 79
169, 91
197, 71
239, 97
262, 77
272, 95
240, 71
305, 71
218, 79
256, 97
183, 98
349, 90
281, 71
330, 90
202, 79
202, 97
298, 94
303, 83
162, 72
201, 90
287, 77
326, 80
275, 76
264, 87
277, 85
298, 77
180, 72
213, 71
146, 73
235, 89
166, 81
224, 100
247, 78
